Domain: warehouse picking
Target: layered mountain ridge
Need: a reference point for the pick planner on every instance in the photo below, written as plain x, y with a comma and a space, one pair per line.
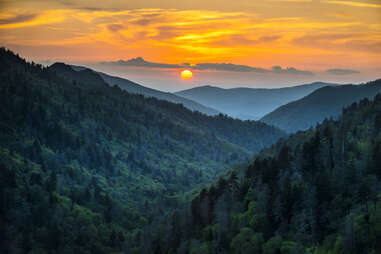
248, 103
326, 102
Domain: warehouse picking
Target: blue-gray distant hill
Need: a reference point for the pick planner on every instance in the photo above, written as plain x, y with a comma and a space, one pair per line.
135, 88
324, 103
248, 103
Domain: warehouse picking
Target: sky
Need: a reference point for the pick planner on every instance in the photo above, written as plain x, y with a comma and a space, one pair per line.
262, 43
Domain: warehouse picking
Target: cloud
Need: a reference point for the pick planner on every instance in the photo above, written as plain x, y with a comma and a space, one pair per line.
290, 70
340, 42
17, 19
77, 6
114, 27
166, 32
226, 67
147, 19
341, 71
353, 3
364, 45
239, 39
213, 39
140, 62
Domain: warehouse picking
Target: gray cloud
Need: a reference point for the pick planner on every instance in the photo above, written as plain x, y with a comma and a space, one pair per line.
339, 41
147, 19
142, 22
238, 39
115, 27
18, 19
290, 70
77, 6
166, 32
341, 71
226, 67
140, 62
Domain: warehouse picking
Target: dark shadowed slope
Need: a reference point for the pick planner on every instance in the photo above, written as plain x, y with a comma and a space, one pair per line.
248, 103
324, 103
135, 88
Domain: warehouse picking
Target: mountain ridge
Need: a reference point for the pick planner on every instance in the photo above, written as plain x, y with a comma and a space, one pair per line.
325, 102
248, 103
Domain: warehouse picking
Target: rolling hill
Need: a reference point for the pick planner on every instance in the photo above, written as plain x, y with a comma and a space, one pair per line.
248, 103
324, 103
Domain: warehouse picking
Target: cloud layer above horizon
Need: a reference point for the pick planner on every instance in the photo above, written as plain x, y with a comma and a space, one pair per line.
140, 62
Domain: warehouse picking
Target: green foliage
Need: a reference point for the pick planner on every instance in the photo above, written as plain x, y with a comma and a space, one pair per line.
202, 248
273, 245
316, 192
246, 241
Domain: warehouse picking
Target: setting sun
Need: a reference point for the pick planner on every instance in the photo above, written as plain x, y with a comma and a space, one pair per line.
186, 74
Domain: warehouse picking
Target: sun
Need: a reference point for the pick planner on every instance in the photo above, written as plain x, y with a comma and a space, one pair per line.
186, 74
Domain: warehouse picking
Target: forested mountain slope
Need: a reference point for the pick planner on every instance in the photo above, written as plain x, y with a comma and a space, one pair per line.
318, 191
83, 164
324, 103
248, 103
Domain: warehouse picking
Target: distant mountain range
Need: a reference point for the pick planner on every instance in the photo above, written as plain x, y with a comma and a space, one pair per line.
133, 87
136, 88
290, 109
323, 103
248, 103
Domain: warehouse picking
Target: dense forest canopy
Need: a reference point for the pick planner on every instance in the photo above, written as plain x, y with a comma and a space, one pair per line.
318, 191
84, 166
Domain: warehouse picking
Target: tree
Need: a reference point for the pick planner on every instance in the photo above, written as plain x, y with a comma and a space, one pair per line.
246, 241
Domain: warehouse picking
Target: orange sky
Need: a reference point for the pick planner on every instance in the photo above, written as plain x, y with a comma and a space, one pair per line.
313, 35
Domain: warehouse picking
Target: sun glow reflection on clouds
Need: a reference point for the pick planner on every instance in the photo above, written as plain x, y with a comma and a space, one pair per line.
346, 35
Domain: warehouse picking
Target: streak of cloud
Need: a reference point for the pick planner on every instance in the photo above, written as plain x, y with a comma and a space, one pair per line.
264, 34
353, 3
341, 71
17, 19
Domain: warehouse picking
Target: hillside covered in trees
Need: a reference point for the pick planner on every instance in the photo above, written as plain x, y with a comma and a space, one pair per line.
318, 191
84, 165
326, 102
